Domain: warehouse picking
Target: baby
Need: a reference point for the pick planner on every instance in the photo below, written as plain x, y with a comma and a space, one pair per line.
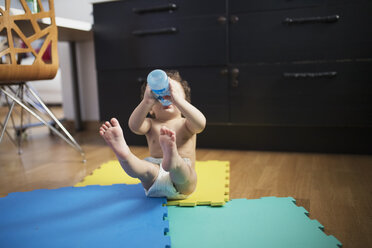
171, 138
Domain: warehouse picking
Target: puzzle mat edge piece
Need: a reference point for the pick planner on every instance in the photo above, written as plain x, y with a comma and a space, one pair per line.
311, 226
313, 222
42, 196
108, 173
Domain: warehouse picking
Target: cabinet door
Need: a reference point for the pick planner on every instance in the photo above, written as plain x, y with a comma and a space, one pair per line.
119, 94
329, 94
209, 91
315, 33
133, 34
244, 6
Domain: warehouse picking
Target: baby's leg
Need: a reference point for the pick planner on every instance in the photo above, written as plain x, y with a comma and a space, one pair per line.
133, 166
182, 175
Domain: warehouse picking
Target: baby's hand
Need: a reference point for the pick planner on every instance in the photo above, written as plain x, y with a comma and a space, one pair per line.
176, 91
149, 96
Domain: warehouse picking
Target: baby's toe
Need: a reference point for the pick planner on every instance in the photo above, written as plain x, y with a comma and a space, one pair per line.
108, 124
114, 122
163, 130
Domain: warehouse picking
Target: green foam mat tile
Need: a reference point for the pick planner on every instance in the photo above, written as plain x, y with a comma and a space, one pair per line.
259, 223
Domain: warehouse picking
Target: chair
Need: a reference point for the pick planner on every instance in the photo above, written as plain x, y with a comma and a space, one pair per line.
32, 33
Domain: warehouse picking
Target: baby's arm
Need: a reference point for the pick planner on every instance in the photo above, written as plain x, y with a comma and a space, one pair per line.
195, 120
138, 123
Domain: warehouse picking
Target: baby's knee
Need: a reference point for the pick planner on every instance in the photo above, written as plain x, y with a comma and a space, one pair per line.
189, 186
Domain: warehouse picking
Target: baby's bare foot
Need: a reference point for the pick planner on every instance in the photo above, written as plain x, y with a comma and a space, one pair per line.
167, 140
113, 135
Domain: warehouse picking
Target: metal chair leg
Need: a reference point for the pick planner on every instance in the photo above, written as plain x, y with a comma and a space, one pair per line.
8, 116
2, 127
19, 136
69, 139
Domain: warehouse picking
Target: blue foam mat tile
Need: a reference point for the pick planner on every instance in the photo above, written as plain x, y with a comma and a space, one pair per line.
92, 216
260, 223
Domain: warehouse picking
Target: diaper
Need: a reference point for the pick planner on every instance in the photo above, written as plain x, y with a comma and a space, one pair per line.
163, 185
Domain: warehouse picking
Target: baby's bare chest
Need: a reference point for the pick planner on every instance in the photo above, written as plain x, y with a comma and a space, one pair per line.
182, 133
184, 139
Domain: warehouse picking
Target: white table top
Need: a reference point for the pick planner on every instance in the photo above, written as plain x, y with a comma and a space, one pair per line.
68, 29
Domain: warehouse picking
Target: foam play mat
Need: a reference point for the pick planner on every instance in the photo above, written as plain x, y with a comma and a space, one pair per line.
260, 223
92, 216
107, 174
212, 188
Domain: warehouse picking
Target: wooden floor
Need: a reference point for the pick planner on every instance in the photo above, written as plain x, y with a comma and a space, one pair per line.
335, 189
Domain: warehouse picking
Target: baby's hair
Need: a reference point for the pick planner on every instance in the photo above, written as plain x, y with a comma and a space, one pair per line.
175, 75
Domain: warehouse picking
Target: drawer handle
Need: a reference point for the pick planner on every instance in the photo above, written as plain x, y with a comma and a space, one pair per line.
300, 75
234, 77
170, 30
141, 80
318, 19
167, 7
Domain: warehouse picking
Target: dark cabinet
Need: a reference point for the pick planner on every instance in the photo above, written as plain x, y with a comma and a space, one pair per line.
118, 100
241, 6
121, 91
315, 33
267, 74
321, 94
209, 88
137, 34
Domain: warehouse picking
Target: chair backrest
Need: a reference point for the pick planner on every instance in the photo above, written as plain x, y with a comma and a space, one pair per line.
30, 36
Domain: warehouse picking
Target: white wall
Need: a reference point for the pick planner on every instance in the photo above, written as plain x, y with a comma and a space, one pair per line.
88, 81
82, 11
87, 78
66, 75
74, 9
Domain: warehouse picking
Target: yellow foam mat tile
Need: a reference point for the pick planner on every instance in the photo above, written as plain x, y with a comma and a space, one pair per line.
213, 185
212, 188
107, 174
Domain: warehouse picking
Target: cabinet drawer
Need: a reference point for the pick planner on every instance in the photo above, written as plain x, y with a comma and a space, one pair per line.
209, 92
341, 2
139, 10
313, 34
119, 93
161, 38
240, 6
329, 94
